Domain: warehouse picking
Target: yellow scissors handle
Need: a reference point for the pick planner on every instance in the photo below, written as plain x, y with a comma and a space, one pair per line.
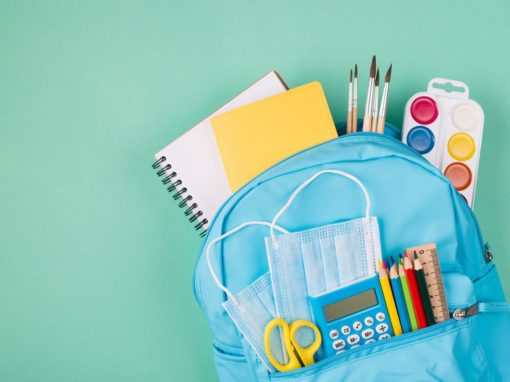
298, 356
306, 354
285, 330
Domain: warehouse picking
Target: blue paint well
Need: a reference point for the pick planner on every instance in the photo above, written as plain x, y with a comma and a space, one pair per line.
421, 139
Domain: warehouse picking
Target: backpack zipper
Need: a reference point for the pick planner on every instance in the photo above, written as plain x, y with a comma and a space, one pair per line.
489, 255
461, 314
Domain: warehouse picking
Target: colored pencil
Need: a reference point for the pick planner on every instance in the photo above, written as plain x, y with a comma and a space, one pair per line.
349, 106
375, 105
407, 294
415, 292
422, 284
388, 297
355, 101
384, 102
399, 297
367, 118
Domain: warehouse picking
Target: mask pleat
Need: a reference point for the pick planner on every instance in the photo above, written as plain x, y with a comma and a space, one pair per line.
329, 259
314, 268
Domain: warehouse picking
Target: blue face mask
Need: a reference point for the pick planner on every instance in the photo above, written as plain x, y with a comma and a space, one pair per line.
321, 259
253, 307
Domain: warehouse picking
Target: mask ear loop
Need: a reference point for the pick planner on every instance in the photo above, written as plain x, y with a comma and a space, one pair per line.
225, 235
310, 180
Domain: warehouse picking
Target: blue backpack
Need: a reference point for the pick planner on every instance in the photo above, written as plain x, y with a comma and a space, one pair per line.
414, 204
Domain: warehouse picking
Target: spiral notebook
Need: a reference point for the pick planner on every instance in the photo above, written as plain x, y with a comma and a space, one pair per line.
191, 165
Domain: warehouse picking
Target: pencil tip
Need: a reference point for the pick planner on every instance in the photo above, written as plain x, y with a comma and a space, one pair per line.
350, 76
372, 67
415, 255
392, 260
388, 74
377, 78
355, 70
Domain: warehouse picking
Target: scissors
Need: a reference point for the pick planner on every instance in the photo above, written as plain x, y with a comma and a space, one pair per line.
297, 355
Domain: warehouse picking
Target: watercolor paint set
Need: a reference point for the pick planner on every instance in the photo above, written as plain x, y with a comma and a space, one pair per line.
446, 126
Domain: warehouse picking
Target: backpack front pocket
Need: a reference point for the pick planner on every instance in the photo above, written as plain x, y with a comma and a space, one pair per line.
231, 364
448, 351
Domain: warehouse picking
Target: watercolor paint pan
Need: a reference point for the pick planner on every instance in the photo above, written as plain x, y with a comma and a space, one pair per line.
446, 127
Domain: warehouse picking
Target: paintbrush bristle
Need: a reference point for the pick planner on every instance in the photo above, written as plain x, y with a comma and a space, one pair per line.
372, 67
350, 76
377, 78
388, 74
355, 70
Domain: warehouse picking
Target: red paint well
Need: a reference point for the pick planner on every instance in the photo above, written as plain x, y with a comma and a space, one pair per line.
424, 110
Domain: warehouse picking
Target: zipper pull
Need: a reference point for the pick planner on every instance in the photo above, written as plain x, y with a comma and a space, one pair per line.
460, 314
481, 307
489, 255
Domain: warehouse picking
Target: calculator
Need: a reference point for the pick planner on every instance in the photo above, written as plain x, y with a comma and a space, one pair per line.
352, 316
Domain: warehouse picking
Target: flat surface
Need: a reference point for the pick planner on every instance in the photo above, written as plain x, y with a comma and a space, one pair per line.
95, 258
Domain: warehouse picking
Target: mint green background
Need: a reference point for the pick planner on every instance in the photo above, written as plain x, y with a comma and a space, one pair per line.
95, 258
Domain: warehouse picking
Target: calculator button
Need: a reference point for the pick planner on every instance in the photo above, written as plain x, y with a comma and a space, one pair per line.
367, 333
384, 336
334, 334
381, 328
353, 339
380, 316
370, 341
339, 345
340, 352
369, 321
357, 325
346, 330
355, 346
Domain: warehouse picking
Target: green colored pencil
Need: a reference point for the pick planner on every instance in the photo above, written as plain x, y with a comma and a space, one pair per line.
422, 284
407, 295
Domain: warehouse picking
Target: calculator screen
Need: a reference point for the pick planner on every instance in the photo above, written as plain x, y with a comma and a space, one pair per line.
350, 305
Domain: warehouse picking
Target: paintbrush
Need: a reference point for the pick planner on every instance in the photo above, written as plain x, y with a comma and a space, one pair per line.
355, 101
375, 104
384, 102
367, 118
349, 106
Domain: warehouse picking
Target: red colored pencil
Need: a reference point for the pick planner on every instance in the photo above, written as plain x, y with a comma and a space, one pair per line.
415, 293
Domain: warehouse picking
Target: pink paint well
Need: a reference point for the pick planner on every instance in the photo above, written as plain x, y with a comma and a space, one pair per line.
424, 110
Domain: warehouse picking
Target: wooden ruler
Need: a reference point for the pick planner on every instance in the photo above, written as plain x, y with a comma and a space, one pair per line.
427, 254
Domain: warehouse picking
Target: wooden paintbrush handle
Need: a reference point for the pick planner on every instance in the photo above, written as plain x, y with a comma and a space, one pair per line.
354, 120
374, 124
367, 124
349, 122
380, 125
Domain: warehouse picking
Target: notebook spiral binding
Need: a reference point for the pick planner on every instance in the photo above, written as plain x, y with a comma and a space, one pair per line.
173, 183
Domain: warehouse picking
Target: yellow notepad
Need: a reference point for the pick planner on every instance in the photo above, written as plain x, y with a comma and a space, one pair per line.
256, 136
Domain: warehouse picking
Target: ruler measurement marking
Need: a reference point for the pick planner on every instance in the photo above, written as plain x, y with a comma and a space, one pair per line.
434, 280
